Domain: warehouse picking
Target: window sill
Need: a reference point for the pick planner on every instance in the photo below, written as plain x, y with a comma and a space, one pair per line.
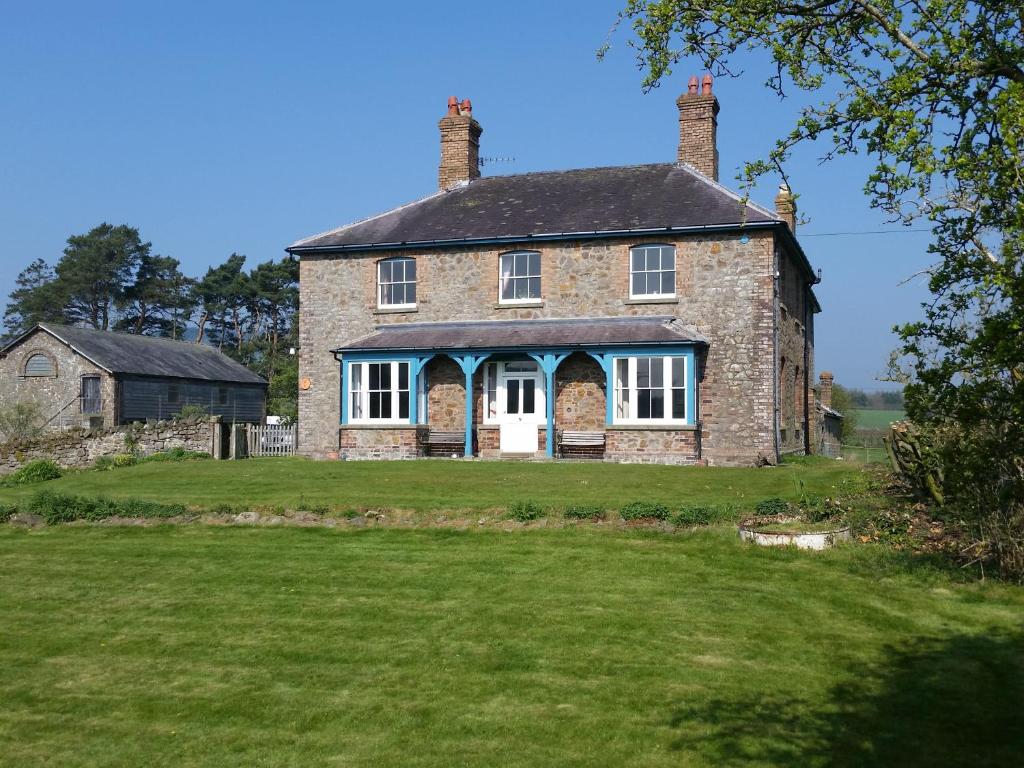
653, 427
654, 300
519, 304
383, 425
394, 310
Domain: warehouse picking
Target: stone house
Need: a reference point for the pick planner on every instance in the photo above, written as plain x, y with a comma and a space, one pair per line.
640, 314
82, 377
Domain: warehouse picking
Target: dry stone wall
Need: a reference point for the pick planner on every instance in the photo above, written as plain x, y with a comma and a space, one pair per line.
78, 449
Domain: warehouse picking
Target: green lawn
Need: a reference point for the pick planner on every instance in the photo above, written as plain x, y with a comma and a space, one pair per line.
880, 419
447, 485
208, 646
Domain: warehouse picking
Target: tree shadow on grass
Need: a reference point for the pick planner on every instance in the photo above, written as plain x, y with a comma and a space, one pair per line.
953, 701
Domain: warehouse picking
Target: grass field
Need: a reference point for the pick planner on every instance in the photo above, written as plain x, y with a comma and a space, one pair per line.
447, 485
207, 646
880, 419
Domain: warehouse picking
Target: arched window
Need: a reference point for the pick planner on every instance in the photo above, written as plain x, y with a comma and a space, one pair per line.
396, 282
652, 271
40, 365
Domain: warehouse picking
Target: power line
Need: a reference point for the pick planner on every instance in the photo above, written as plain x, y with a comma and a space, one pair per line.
863, 232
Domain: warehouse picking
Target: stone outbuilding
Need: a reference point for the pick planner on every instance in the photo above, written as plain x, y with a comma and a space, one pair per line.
642, 313
81, 377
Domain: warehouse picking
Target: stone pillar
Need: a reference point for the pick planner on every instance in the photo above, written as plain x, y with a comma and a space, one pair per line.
215, 437
698, 128
460, 145
785, 207
825, 388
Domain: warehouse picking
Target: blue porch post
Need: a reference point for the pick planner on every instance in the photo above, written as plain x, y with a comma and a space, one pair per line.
469, 365
549, 361
605, 360
416, 366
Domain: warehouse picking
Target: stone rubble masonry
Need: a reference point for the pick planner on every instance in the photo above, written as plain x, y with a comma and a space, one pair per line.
698, 132
725, 289
652, 446
460, 150
79, 449
57, 396
358, 442
785, 207
795, 413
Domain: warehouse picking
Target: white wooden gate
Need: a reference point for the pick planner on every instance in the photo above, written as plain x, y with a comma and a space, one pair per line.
272, 440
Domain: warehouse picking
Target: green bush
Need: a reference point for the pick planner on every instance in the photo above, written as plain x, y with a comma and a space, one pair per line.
104, 463
524, 511
644, 510
772, 506
584, 512
175, 454
55, 507
125, 460
38, 471
693, 516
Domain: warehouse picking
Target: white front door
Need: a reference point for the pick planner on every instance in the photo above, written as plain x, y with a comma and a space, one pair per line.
520, 406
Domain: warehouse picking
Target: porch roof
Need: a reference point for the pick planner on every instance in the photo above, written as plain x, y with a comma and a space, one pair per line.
527, 334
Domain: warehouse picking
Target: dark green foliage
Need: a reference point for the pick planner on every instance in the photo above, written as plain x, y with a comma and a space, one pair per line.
524, 511
103, 463
191, 411
772, 506
56, 507
693, 516
175, 454
644, 510
38, 471
584, 512
842, 402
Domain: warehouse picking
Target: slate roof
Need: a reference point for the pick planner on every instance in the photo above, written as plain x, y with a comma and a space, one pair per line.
527, 334
123, 353
633, 198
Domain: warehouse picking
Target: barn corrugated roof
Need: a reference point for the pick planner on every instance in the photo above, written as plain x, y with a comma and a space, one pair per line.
124, 353
659, 196
527, 334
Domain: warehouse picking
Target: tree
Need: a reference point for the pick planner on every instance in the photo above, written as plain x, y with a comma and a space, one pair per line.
933, 90
37, 299
219, 297
96, 271
159, 302
843, 401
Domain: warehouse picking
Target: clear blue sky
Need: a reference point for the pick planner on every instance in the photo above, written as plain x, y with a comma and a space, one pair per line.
242, 126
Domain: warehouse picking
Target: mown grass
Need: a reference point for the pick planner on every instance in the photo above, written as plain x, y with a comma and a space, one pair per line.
448, 485
206, 646
878, 419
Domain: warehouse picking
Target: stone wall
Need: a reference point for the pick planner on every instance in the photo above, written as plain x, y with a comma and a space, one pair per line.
78, 449
57, 396
724, 285
646, 445
580, 399
795, 324
358, 442
446, 395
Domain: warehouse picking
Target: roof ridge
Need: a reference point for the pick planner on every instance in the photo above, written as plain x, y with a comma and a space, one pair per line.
722, 188
338, 230
125, 334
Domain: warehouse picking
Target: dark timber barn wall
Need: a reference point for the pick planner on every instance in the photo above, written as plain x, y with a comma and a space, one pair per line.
144, 398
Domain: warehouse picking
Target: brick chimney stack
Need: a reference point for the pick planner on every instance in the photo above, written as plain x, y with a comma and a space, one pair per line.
785, 207
460, 145
825, 388
698, 128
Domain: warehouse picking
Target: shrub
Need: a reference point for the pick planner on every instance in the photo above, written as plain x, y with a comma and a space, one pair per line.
191, 412
38, 471
693, 516
125, 460
644, 510
104, 463
21, 421
584, 512
524, 511
772, 506
175, 454
320, 509
55, 507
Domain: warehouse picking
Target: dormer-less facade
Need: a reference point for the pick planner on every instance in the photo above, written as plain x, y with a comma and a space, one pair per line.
638, 314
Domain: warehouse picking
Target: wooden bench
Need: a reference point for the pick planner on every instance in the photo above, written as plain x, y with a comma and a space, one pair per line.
584, 445
440, 443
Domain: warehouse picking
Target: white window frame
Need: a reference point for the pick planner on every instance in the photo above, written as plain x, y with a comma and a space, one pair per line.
631, 418
660, 270
527, 277
362, 393
404, 260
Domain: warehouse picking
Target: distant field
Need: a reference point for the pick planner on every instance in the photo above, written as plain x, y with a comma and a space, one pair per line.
878, 419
